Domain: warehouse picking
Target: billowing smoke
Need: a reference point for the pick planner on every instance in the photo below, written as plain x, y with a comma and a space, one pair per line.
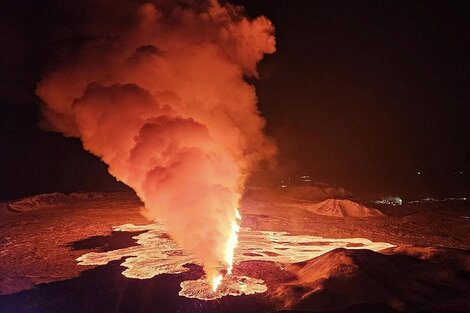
157, 91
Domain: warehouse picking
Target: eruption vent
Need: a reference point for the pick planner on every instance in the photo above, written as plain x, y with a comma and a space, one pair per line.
157, 92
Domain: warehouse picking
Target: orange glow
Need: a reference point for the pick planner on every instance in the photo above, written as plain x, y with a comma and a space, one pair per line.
232, 243
216, 282
157, 254
165, 104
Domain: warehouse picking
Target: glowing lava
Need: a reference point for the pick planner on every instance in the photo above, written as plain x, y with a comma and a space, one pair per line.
216, 282
229, 252
232, 243
156, 254
231, 286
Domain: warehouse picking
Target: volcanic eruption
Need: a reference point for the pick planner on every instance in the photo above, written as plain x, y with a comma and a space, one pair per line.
157, 91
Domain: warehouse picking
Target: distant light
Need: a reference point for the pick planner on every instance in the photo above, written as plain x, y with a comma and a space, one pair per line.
283, 186
460, 172
419, 173
390, 200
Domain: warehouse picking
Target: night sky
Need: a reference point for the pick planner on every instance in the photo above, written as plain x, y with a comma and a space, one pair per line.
362, 94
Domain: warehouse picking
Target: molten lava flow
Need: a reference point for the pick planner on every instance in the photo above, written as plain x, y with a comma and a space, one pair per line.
161, 98
232, 286
156, 254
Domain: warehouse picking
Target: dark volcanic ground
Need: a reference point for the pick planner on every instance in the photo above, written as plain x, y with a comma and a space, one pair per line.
104, 289
428, 271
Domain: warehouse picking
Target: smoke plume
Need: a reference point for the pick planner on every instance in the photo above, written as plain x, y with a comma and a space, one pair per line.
157, 91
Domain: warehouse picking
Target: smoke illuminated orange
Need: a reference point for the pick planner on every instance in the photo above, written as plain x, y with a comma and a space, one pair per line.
163, 101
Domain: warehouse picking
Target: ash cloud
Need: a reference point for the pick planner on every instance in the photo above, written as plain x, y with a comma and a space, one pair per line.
157, 92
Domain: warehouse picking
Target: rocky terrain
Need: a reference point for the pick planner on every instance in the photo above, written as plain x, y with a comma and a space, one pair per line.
398, 278
427, 271
343, 208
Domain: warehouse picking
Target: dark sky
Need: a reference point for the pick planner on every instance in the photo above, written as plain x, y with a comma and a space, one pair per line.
359, 93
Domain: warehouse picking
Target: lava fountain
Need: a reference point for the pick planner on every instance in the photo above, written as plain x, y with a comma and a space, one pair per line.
157, 91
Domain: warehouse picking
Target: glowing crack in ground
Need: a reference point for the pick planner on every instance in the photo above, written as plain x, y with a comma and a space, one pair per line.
157, 254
